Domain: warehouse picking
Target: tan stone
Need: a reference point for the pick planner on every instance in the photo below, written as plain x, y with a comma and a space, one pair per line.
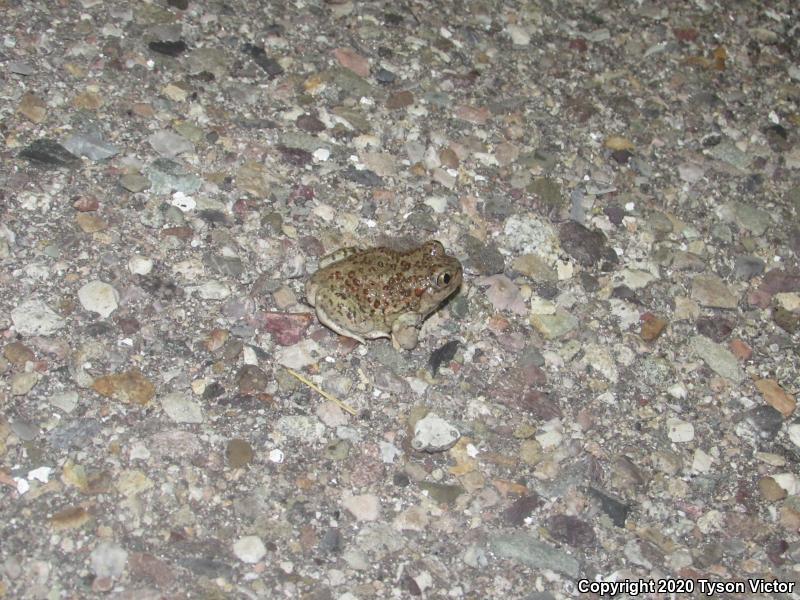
130, 387
776, 397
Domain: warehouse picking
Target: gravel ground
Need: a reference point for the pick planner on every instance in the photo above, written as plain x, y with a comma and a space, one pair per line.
610, 395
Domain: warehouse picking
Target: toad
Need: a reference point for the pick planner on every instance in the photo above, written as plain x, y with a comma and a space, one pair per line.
379, 292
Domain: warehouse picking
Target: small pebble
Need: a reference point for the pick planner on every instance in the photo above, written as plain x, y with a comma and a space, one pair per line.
22, 383
776, 396
18, 354
679, 431
434, 434
34, 317
140, 265
129, 387
711, 291
239, 453
181, 408
66, 401
519, 36
366, 507
99, 297
794, 433
717, 357
249, 549
108, 559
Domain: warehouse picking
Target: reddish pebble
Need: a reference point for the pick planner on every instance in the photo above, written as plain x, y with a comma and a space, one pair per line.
383, 196
740, 349
759, 298
478, 116
287, 328
243, 206
128, 325
578, 44
652, 326
102, 584
86, 204
686, 34
182, 232
400, 100
350, 59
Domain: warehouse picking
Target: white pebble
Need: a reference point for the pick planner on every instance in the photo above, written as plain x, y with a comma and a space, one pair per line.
678, 391
321, 154
701, 463
549, 439
108, 559
212, 290
679, 431
183, 202
181, 409
41, 474
794, 434
66, 401
140, 265
249, 549
565, 270
365, 507
519, 36
788, 482
389, 452
99, 297
34, 317
22, 485
437, 203
434, 434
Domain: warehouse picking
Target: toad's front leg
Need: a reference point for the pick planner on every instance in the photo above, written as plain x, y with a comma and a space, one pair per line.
405, 331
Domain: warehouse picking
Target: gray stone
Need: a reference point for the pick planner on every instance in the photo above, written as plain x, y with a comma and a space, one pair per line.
301, 426
20, 68
747, 267
709, 290
24, 430
74, 434
554, 326
169, 176
66, 401
746, 216
717, 357
91, 146
170, 144
726, 151
181, 409
526, 549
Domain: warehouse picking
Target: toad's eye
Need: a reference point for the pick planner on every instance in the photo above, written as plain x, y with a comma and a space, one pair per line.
443, 279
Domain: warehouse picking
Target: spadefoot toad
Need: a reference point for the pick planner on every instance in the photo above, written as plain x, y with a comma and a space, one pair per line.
379, 292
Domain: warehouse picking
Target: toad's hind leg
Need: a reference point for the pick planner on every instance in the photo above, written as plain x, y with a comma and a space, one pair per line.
324, 308
337, 255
